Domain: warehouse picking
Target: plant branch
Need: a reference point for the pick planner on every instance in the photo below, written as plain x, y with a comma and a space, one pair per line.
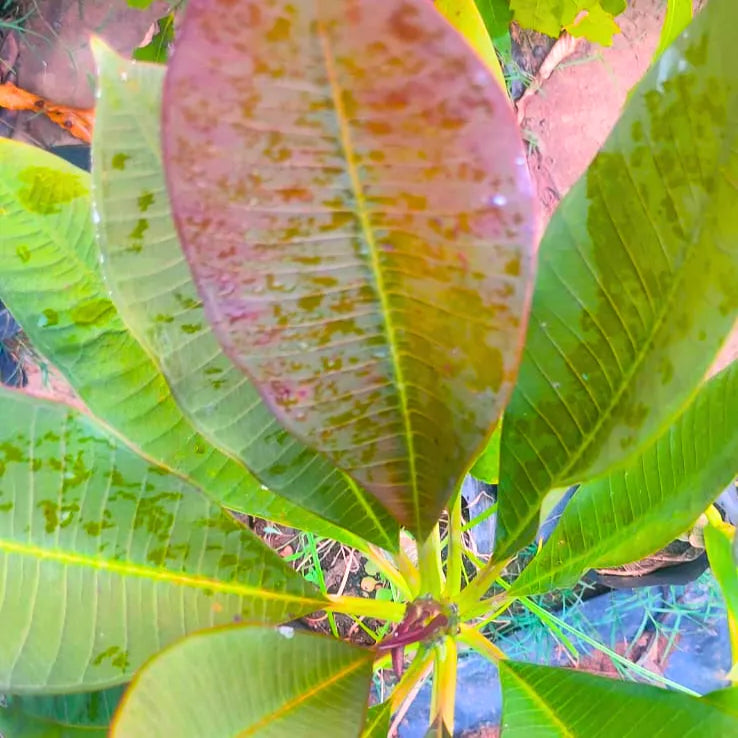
443, 696
455, 559
409, 571
380, 609
469, 599
416, 673
474, 638
429, 563
388, 570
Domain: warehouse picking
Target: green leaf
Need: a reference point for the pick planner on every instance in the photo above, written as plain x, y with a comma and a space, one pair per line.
635, 290
678, 17
378, 721
249, 681
639, 509
724, 699
596, 25
547, 701
86, 715
487, 465
52, 282
153, 289
596, 22
105, 558
157, 50
496, 15
720, 544
370, 260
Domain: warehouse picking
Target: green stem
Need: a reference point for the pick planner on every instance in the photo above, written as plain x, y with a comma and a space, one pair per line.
380, 609
455, 559
473, 638
549, 620
409, 572
443, 695
488, 513
429, 563
318, 567
480, 584
388, 570
417, 671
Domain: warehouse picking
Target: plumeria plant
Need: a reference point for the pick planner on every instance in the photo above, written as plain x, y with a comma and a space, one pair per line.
303, 282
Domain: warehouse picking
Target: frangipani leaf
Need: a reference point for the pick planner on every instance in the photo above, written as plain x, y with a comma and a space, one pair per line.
720, 545
378, 721
635, 290
350, 188
249, 681
629, 514
487, 466
85, 715
547, 701
105, 558
466, 18
51, 280
153, 289
678, 15
724, 699
496, 15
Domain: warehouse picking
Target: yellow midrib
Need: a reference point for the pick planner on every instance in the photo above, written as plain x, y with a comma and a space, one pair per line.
363, 216
641, 355
128, 569
543, 705
291, 705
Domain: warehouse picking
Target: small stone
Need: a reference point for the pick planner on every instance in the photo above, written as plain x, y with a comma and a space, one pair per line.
368, 584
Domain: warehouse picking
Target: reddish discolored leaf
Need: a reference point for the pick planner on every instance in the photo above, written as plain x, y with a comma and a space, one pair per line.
351, 192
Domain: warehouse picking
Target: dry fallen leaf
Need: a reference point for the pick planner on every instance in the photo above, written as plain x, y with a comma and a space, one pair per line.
78, 121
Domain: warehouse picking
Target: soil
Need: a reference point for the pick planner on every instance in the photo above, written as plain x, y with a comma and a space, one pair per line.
571, 112
52, 57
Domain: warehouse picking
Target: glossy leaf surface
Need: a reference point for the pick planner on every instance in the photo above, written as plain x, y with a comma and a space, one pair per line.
154, 292
550, 702
635, 290
105, 558
635, 511
496, 15
51, 280
720, 545
351, 192
724, 699
249, 681
86, 715
678, 17
487, 465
